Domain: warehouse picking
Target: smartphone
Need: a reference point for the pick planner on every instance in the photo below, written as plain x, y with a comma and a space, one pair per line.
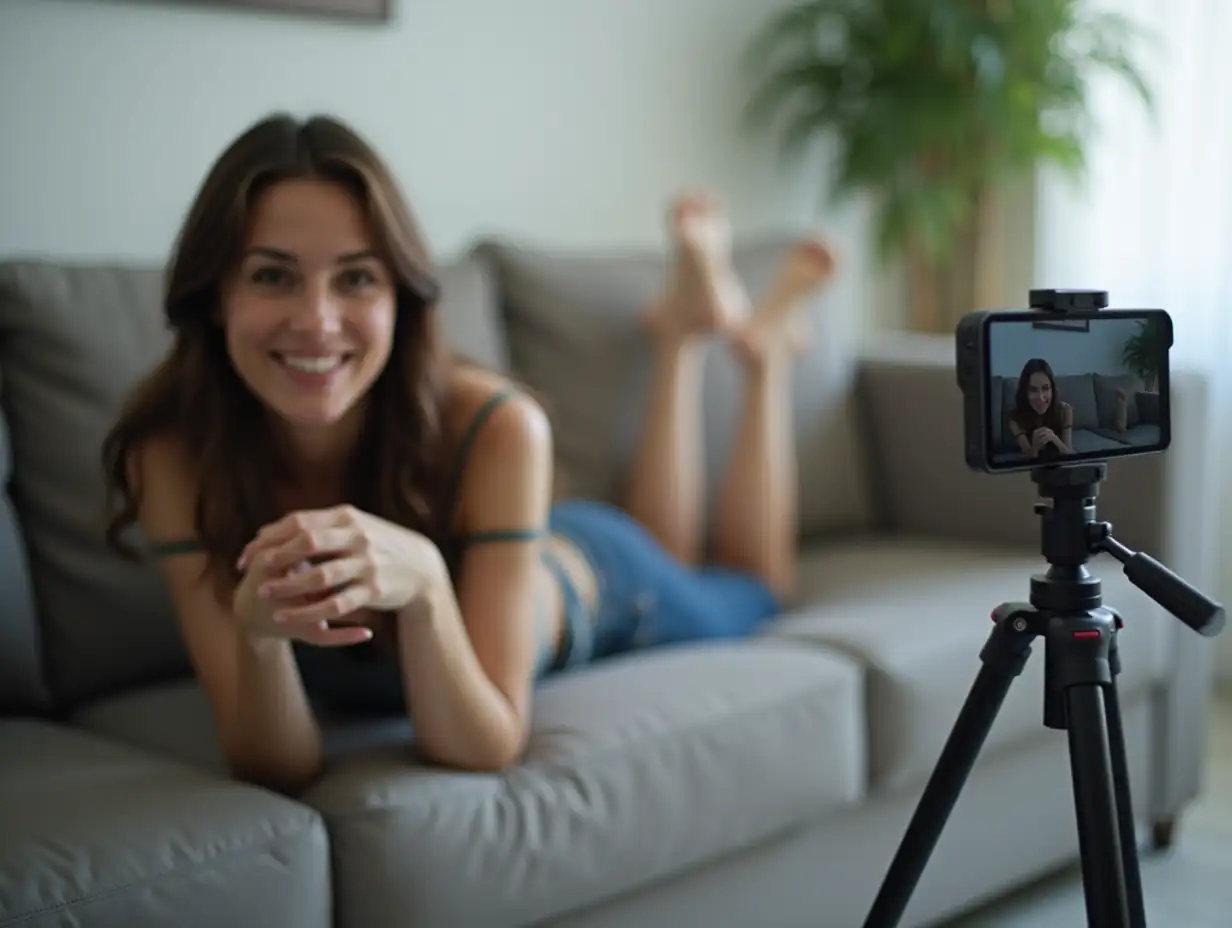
1043, 388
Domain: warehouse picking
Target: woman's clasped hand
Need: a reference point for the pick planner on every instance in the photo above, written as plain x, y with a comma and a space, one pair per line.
317, 575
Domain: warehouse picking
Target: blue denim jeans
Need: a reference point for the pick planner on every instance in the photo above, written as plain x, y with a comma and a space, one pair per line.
646, 597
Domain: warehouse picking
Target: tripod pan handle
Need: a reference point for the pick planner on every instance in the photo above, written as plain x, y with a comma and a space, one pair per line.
1199, 612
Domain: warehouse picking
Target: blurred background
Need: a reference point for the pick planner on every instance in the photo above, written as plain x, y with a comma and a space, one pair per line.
1082, 145
958, 153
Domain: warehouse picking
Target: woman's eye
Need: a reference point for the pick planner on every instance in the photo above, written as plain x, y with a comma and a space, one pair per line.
356, 277
269, 276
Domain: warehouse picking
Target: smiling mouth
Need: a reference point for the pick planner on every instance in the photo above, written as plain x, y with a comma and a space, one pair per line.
311, 364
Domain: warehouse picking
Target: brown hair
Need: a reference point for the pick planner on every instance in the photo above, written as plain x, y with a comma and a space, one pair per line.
195, 396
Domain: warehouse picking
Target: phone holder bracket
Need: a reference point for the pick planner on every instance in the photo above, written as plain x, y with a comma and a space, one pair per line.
1068, 301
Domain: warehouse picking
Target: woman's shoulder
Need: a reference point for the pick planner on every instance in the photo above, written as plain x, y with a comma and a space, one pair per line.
502, 445
469, 384
486, 406
166, 483
163, 458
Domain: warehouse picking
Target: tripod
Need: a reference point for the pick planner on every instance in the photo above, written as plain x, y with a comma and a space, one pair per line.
1080, 697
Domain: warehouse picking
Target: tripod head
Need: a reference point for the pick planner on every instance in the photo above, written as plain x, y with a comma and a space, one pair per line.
1071, 534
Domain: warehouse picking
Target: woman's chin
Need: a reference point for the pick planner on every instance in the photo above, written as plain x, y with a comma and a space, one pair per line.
314, 415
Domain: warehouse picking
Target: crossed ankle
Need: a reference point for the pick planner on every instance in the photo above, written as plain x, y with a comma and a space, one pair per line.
761, 356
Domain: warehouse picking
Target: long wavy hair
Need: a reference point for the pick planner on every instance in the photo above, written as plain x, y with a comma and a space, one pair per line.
195, 397
1027, 418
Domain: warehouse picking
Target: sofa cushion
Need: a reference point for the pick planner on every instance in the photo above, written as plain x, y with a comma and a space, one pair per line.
574, 336
1079, 391
99, 834
638, 768
1105, 389
73, 339
916, 612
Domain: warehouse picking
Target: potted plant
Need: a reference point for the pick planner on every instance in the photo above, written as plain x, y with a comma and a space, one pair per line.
1143, 350
933, 105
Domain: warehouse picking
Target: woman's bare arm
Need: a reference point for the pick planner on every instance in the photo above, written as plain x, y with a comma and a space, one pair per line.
1067, 428
469, 652
275, 740
1024, 441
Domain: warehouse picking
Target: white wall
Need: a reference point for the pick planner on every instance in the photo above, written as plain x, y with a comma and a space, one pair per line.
1095, 351
566, 121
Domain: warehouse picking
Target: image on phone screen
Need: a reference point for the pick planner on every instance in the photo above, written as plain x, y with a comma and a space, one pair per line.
1075, 387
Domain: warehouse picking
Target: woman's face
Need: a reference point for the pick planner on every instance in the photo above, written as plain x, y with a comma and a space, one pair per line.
309, 314
1039, 392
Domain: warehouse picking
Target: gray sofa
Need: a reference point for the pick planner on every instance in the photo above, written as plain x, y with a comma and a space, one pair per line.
1093, 398
765, 782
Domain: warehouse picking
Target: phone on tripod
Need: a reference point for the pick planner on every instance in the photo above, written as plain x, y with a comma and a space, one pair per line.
1058, 390
1065, 382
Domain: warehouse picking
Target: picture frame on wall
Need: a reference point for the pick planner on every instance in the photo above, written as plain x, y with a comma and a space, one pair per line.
1064, 325
377, 11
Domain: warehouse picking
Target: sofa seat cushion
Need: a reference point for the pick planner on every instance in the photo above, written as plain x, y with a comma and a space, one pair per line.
1086, 440
637, 768
99, 834
916, 614
1143, 434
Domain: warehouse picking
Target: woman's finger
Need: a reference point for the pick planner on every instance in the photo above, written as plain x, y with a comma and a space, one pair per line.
261, 542
308, 544
345, 601
287, 528
327, 637
324, 577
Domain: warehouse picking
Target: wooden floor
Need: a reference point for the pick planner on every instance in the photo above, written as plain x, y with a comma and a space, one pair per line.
1189, 886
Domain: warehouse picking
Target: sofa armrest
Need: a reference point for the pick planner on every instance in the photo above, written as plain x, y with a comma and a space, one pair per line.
912, 415
93, 832
1148, 407
913, 425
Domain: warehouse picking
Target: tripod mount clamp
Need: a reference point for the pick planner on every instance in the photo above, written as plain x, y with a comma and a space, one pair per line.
1071, 534
1063, 300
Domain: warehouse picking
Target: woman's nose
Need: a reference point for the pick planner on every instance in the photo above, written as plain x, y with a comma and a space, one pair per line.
318, 311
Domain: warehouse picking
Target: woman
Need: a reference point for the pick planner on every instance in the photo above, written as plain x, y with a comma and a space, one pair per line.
1041, 423
347, 516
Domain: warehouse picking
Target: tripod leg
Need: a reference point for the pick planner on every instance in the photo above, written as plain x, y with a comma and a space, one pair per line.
1004, 656
1098, 829
1124, 801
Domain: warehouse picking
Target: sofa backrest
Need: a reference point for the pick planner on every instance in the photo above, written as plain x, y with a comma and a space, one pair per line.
73, 340
574, 337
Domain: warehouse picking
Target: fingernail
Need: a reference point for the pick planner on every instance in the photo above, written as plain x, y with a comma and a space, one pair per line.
263, 591
279, 617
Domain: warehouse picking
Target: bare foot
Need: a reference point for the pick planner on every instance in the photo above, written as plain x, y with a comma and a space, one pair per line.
702, 294
775, 322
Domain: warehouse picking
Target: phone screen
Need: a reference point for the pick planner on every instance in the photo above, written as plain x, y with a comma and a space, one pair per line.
1068, 388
